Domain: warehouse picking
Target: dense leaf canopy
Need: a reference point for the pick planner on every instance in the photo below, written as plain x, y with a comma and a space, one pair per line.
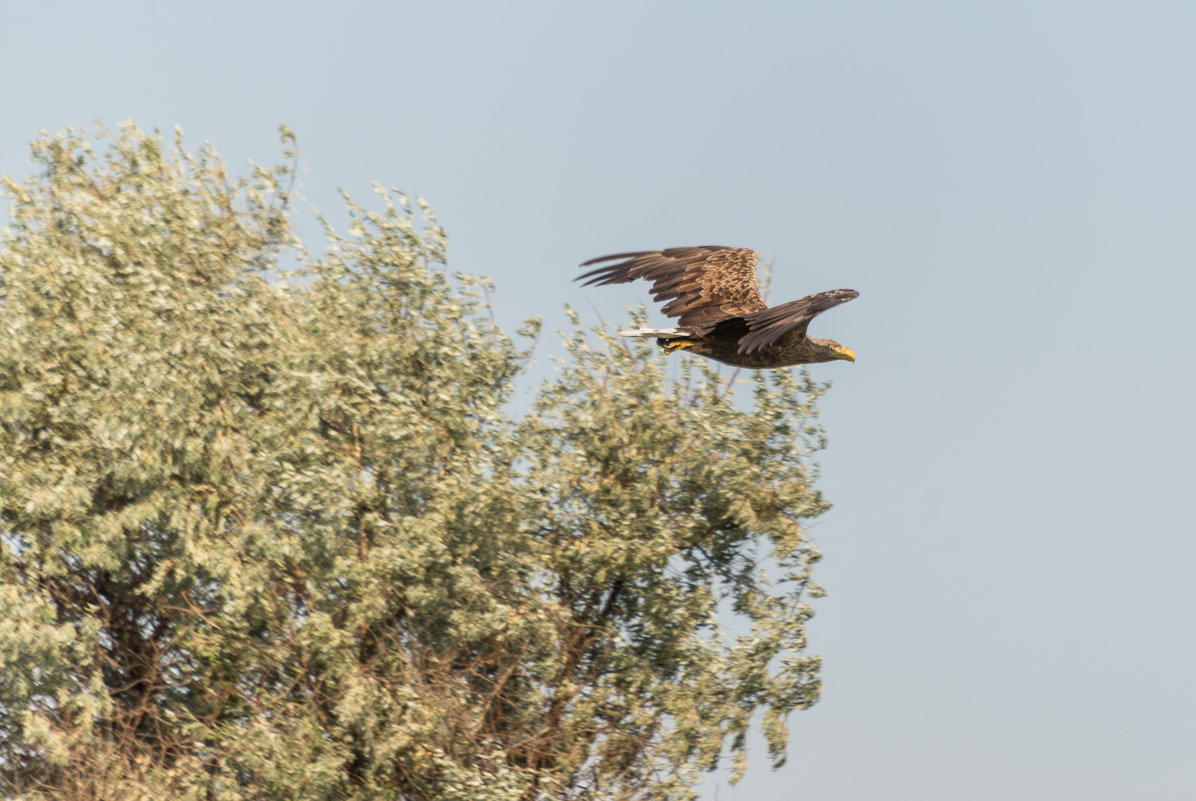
285, 534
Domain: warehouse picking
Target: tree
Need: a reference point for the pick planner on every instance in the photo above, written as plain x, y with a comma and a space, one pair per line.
280, 535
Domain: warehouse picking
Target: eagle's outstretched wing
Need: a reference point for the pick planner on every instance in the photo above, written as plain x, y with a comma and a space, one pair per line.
703, 285
767, 326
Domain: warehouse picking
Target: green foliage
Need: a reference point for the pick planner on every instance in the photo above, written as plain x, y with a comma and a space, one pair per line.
279, 536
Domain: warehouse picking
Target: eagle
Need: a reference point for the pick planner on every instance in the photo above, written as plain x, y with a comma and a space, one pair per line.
713, 293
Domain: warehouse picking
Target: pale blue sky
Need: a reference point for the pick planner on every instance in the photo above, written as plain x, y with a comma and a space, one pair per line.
1010, 185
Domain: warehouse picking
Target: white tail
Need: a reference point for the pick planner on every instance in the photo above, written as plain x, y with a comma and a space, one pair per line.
666, 333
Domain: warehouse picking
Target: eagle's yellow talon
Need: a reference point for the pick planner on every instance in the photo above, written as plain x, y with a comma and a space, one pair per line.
670, 345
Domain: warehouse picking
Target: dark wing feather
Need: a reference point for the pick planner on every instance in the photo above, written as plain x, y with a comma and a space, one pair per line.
702, 284
767, 326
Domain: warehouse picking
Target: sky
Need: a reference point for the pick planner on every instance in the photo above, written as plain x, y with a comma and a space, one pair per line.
1011, 186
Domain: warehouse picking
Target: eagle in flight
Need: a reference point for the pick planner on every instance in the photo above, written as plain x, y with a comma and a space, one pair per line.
713, 293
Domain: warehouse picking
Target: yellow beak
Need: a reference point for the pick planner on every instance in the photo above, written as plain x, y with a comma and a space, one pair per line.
847, 354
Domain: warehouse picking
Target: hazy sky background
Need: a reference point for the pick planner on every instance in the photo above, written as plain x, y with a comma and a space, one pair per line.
1010, 185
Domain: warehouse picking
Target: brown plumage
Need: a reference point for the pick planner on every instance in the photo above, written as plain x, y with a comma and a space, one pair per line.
713, 293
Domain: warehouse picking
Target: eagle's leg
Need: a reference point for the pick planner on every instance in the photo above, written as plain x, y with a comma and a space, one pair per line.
670, 345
